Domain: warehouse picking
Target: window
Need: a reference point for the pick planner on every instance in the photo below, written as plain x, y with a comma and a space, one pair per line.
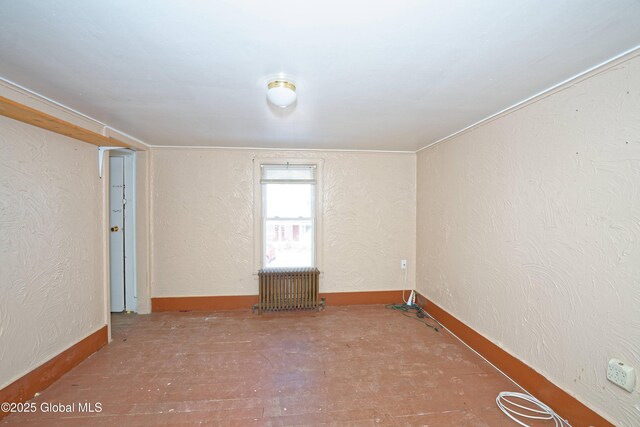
288, 215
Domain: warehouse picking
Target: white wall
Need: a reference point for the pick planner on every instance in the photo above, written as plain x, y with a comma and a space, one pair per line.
529, 232
203, 220
51, 246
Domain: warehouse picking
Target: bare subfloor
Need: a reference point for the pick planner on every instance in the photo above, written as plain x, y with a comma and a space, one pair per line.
360, 365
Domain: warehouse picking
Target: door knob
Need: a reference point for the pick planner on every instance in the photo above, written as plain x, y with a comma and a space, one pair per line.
115, 228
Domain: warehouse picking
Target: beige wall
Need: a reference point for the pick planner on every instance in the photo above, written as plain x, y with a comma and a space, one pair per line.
51, 246
203, 220
142, 233
529, 232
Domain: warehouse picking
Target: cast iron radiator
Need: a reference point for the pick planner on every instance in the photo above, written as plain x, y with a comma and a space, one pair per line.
289, 289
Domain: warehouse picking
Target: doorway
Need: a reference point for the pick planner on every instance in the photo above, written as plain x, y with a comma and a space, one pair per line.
122, 227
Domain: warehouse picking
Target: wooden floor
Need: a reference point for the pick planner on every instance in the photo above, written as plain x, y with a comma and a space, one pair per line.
363, 365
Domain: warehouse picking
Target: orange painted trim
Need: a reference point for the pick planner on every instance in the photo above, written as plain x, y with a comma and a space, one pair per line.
31, 116
230, 302
362, 298
535, 383
46, 374
234, 302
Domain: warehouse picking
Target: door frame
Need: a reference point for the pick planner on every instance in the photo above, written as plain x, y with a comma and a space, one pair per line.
131, 288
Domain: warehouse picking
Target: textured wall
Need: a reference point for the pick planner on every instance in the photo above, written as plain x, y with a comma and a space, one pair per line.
51, 288
142, 232
203, 220
529, 229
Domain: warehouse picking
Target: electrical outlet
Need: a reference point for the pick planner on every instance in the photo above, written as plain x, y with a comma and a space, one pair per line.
403, 264
621, 375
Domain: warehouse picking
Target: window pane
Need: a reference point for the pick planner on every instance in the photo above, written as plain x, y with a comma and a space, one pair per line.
288, 200
292, 172
289, 243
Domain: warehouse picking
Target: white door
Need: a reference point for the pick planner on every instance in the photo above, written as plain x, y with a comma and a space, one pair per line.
116, 239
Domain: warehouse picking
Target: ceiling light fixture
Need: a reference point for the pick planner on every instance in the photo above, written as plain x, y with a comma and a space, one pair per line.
281, 93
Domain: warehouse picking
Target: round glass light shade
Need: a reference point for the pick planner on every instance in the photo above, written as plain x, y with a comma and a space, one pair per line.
281, 93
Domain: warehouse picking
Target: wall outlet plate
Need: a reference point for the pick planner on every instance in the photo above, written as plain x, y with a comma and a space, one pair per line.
403, 264
621, 375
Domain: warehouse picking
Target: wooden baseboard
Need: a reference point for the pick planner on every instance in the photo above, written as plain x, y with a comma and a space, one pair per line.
43, 376
362, 298
234, 302
535, 383
214, 303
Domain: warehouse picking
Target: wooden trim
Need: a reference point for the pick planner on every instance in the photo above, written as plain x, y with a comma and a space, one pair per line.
234, 302
43, 376
363, 298
31, 116
535, 383
213, 303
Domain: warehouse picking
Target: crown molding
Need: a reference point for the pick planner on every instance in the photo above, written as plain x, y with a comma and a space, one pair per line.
591, 72
52, 112
323, 150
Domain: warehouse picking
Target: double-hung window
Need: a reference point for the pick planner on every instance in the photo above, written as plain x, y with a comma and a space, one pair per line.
288, 215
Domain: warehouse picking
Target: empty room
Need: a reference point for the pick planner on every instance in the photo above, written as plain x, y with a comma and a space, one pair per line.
359, 213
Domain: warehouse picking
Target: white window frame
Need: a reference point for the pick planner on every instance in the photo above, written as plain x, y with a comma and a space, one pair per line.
259, 252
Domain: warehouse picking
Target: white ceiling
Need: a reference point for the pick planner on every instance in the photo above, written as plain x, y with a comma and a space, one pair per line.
390, 75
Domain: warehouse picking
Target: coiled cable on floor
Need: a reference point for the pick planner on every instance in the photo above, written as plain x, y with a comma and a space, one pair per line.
420, 314
543, 412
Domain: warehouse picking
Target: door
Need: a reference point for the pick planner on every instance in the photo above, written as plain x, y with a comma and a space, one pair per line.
116, 236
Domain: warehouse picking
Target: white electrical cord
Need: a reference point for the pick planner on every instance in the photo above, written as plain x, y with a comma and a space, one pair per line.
405, 286
543, 413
